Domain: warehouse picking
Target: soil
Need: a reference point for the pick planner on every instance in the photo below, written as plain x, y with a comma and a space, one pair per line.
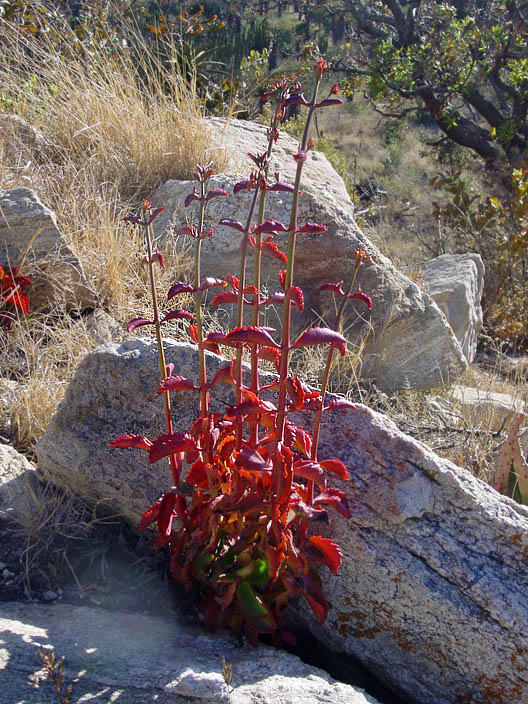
111, 568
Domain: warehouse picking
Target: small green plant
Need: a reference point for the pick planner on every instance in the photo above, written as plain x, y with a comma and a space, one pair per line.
257, 480
227, 672
55, 672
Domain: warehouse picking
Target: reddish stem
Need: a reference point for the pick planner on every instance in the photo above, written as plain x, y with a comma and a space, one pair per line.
174, 465
278, 479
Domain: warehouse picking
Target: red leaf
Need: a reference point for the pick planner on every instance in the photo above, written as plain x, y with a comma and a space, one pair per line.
233, 281
248, 185
166, 513
215, 337
158, 256
324, 550
189, 199
362, 297
275, 557
296, 99
299, 438
295, 295
308, 469
137, 441
179, 288
150, 515
178, 314
276, 298
271, 354
336, 288
320, 336
251, 407
252, 335
188, 230
235, 224
210, 282
335, 498
271, 226
275, 252
137, 323
20, 300
176, 383
315, 597
313, 228
295, 392
340, 404
224, 297
335, 467
134, 219
329, 101
197, 474
223, 375
169, 444
153, 214
182, 287
214, 192
210, 342
280, 185
251, 460
282, 277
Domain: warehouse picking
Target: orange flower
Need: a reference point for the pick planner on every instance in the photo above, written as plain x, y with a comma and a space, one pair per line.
319, 66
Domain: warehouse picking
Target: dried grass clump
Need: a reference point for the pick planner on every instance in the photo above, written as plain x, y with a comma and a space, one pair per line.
41, 353
120, 116
111, 127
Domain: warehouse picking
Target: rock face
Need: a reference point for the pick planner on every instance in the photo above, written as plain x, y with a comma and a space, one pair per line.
408, 342
17, 476
488, 409
432, 594
28, 230
131, 659
455, 283
8, 392
21, 140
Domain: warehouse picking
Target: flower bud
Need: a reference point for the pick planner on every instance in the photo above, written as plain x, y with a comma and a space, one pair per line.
319, 66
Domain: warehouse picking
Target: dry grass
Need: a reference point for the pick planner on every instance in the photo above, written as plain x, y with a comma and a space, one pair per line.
110, 137
42, 353
399, 223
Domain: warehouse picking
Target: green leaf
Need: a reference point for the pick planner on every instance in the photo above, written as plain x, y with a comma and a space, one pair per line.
251, 603
260, 574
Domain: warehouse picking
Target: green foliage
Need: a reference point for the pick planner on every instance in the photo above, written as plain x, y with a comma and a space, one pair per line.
467, 68
496, 227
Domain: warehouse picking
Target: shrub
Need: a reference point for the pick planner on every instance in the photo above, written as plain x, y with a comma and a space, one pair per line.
255, 476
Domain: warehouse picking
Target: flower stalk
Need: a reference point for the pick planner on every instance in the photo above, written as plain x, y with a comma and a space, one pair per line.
147, 212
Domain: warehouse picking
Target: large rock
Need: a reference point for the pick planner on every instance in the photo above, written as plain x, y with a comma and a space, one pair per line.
17, 480
131, 659
487, 409
432, 594
408, 342
29, 234
455, 283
